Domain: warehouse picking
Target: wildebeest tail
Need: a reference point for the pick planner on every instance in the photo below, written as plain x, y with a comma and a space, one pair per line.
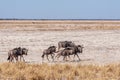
9, 54
42, 56
8, 58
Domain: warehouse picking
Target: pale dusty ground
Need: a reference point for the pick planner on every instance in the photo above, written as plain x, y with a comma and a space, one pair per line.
101, 47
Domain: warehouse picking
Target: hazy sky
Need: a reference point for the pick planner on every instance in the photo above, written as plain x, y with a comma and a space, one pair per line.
60, 9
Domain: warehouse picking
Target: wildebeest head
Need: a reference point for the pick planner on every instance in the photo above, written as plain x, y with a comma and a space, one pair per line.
52, 48
80, 48
24, 51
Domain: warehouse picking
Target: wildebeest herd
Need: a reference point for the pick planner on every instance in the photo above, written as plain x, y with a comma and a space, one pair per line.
65, 49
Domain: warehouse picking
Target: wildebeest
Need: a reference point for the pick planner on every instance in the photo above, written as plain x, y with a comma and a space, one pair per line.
70, 51
14, 53
49, 51
65, 44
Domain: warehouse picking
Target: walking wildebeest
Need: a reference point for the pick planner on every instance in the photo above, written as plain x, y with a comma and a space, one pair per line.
70, 51
64, 44
14, 53
49, 51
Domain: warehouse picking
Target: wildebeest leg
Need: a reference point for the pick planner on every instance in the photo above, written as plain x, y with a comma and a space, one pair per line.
69, 57
74, 57
47, 58
64, 58
78, 57
11, 59
52, 56
57, 56
16, 57
22, 57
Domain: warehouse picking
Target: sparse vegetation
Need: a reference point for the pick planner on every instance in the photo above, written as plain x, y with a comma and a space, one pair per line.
23, 71
53, 25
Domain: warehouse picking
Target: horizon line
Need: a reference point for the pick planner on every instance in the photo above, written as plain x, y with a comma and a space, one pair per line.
52, 19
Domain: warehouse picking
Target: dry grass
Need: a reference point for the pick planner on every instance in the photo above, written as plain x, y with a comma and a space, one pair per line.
61, 25
22, 71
